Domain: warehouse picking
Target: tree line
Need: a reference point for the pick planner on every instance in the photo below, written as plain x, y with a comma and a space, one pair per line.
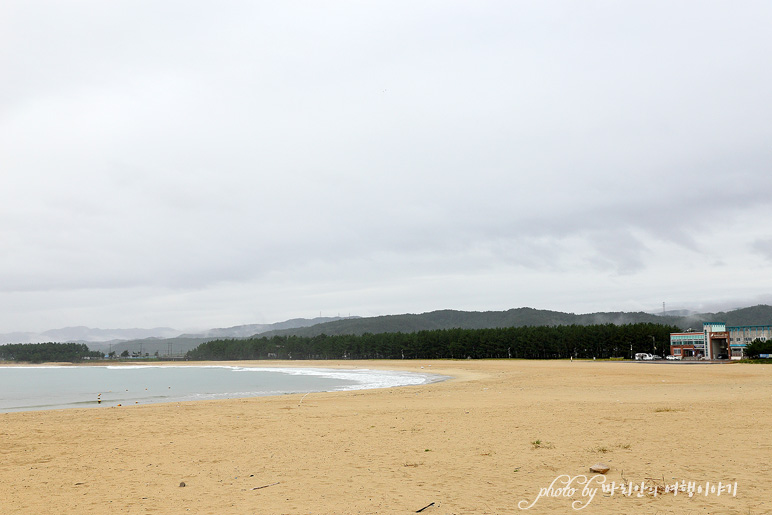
530, 342
758, 347
46, 352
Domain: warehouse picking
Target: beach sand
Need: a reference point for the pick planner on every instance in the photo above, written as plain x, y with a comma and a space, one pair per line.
485, 441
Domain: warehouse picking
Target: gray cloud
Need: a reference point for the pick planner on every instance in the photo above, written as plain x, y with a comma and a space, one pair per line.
763, 247
178, 163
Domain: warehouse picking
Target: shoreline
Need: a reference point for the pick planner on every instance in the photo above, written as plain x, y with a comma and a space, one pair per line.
480, 442
193, 381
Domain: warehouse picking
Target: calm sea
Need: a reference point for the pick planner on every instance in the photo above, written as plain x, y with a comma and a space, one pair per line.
52, 387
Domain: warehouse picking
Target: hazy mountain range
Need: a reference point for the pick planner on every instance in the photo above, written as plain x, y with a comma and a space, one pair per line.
447, 319
165, 340
82, 334
95, 336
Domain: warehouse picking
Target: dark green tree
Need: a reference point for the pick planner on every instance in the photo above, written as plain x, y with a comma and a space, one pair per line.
757, 347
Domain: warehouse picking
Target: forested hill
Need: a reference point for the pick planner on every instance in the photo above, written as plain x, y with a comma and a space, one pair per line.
444, 319
451, 319
520, 317
554, 342
755, 315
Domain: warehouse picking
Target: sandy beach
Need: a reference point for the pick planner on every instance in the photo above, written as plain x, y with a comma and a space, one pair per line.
487, 441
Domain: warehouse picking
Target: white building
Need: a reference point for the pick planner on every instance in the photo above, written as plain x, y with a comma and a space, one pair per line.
717, 341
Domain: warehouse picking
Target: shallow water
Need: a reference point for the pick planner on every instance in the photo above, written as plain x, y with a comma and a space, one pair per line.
57, 387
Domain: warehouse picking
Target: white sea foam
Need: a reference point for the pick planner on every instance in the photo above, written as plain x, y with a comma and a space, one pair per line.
363, 377
24, 388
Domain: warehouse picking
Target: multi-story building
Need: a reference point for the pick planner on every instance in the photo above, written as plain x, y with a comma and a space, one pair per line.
717, 341
687, 345
740, 336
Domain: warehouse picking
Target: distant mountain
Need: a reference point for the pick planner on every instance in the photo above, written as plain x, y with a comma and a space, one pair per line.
95, 336
677, 313
87, 334
244, 331
179, 345
755, 315
164, 339
150, 346
449, 319
81, 334
18, 337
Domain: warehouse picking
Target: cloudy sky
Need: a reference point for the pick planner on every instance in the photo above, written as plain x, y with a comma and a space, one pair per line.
205, 164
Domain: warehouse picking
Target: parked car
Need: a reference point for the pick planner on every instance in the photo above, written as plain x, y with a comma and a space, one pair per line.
672, 357
642, 356
656, 357
722, 356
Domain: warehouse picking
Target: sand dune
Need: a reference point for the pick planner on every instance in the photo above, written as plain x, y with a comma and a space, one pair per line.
486, 441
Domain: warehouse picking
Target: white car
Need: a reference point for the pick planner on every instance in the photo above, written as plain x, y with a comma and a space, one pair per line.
672, 357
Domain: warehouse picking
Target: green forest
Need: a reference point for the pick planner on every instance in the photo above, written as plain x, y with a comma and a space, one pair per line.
46, 352
543, 342
758, 347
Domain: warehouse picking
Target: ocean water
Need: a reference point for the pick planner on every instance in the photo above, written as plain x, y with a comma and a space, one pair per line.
58, 387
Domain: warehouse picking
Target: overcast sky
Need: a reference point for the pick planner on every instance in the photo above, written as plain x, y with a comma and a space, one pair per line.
206, 164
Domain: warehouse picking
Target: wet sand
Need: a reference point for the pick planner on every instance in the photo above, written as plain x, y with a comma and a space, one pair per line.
486, 441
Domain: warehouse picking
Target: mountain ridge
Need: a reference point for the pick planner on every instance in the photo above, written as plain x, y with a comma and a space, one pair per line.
151, 341
525, 316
